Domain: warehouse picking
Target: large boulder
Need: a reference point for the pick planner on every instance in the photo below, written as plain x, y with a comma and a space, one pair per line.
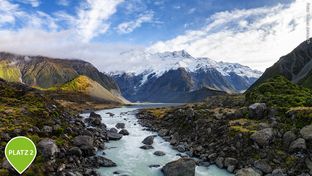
48, 148
124, 132
183, 166
74, 151
94, 119
149, 140
83, 141
263, 166
230, 163
120, 125
104, 162
263, 137
219, 162
288, 137
94, 115
159, 153
298, 145
306, 132
114, 136
146, 147
247, 172
258, 110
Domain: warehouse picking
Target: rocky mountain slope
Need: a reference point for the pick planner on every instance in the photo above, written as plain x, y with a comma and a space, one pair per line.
66, 144
166, 76
268, 132
295, 66
50, 73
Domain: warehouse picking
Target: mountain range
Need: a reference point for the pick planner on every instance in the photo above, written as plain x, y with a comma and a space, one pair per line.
178, 76
73, 76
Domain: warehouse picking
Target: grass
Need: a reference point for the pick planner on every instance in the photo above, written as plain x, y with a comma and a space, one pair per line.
243, 125
158, 112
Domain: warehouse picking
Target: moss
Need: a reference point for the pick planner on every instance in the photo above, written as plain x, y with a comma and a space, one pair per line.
158, 112
4, 172
35, 138
60, 141
243, 125
290, 161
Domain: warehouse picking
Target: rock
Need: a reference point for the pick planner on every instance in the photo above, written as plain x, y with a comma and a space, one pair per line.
146, 147
263, 137
159, 153
113, 130
88, 150
47, 129
110, 114
258, 110
120, 125
308, 163
83, 140
74, 151
114, 136
288, 137
94, 115
104, 162
61, 167
154, 165
247, 172
230, 162
306, 132
6, 165
263, 166
298, 145
278, 172
219, 162
149, 140
183, 166
48, 148
230, 169
94, 119
163, 132
181, 148
124, 132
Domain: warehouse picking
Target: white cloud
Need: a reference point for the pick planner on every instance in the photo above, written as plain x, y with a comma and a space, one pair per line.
8, 12
33, 3
254, 37
93, 17
63, 2
65, 44
128, 27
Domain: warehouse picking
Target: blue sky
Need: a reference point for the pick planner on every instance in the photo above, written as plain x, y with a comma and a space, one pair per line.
168, 18
100, 29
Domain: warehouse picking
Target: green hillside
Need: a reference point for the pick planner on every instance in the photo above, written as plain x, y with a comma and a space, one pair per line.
279, 91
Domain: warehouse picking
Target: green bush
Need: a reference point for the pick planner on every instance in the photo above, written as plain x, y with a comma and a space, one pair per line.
280, 92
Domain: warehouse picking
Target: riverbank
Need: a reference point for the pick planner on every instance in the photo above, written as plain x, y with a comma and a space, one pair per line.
127, 152
253, 140
65, 141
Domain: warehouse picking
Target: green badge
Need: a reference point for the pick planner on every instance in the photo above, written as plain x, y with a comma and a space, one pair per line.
20, 152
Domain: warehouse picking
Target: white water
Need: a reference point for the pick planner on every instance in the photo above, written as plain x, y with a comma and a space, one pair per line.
133, 161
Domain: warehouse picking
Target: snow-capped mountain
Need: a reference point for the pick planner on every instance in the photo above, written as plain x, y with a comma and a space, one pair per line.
164, 77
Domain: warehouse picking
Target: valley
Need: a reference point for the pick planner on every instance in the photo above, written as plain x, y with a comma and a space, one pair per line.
85, 122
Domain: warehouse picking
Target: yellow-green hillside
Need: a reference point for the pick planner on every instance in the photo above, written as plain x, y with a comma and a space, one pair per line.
86, 85
9, 72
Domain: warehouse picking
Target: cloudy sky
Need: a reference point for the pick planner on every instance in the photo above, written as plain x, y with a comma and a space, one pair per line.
254, 33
